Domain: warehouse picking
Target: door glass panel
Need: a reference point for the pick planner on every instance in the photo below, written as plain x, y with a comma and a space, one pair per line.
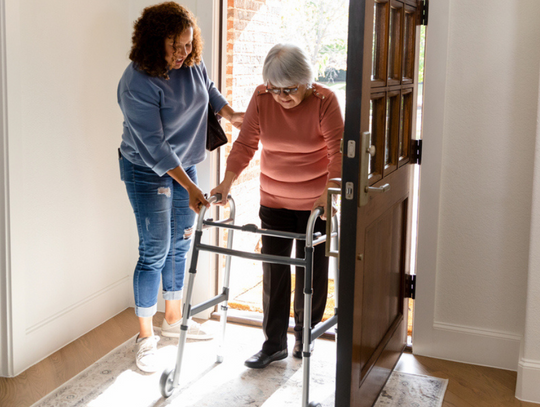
370, 160
391, 58
375, 41
377, 122
388, 136
409, 30
406, 123
394, 45
392, 130
379, 52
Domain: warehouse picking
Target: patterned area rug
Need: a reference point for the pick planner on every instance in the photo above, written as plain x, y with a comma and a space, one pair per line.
403, 389
114, 380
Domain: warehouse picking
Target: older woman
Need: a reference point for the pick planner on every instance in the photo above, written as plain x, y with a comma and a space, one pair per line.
164, 95
299, 124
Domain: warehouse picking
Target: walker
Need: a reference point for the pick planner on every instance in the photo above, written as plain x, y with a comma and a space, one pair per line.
170, 378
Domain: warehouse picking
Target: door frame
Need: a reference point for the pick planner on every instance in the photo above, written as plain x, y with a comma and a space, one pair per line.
355, 85
429, 195
347, 247
6, 312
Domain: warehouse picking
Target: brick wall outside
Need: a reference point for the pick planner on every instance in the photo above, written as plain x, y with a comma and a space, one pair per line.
252, 29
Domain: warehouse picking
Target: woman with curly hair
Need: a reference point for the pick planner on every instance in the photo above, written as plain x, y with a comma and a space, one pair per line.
164, 95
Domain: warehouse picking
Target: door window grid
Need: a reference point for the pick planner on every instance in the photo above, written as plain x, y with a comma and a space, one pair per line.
394, 34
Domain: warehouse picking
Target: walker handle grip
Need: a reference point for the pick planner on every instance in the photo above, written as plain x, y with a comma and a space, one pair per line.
250, 227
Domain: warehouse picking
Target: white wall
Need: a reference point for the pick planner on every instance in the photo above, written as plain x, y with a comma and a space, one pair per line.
71, 243
481, 100
529, 364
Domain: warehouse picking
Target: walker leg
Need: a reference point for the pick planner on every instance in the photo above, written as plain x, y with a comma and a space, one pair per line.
168, 385
306, 336
224, 306
221, 339
335, 262
183, 331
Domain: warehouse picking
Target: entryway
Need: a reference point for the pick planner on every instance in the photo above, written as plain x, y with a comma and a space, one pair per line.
253, 27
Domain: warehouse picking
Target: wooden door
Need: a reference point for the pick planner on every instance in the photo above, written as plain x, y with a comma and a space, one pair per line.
376, 196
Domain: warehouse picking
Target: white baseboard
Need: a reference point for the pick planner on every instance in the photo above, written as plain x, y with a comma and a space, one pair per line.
470, 345
52, 334
527, 386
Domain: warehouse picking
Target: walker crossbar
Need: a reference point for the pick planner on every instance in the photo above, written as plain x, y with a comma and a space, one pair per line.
322, 239
211, 302
269, 258
267, 232
170, 379
323, 327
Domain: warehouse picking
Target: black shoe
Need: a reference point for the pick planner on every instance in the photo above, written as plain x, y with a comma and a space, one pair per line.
299, 348
262, 359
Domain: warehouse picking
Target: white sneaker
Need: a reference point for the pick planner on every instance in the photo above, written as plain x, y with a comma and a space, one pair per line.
195, 331
146, 358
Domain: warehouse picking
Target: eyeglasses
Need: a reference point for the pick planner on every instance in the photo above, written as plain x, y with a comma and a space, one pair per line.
287, 91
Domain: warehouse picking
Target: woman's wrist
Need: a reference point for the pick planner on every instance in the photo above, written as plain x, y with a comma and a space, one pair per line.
226, 112
229, 178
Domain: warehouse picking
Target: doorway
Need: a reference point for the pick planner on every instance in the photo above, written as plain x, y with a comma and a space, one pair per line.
253, 27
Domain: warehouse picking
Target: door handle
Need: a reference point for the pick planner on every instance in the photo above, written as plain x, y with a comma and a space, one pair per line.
384, 188
366, 152
332, 227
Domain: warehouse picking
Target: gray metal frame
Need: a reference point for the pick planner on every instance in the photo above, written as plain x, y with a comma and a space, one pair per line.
170, 379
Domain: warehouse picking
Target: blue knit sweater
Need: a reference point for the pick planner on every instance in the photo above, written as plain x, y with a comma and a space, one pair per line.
165, 120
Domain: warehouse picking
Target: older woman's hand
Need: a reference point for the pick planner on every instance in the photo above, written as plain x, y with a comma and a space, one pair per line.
224, 188
323, 201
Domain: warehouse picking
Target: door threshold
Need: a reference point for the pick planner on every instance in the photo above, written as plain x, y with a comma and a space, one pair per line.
255, 319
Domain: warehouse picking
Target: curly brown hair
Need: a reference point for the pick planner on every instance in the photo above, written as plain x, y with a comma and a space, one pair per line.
156, 24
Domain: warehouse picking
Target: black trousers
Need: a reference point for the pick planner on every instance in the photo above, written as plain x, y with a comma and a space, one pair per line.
277, 277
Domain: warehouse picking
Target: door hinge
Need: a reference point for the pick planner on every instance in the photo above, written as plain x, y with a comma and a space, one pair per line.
423, 8
416, 152
410, 286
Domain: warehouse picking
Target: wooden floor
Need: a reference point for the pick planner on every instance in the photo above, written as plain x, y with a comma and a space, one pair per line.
469, 386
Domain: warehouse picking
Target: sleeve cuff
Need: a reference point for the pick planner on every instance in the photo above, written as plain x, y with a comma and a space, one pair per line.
218, 102
168, 163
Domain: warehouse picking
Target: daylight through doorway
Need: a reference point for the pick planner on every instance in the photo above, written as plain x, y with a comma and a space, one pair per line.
253, 27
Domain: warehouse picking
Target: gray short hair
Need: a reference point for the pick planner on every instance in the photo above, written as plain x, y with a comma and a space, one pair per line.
287, 64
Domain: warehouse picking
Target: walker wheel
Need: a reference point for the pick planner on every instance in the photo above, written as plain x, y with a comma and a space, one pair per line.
166, 385
314, 404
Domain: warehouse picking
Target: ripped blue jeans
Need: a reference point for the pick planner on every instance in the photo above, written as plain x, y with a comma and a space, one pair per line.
165, 224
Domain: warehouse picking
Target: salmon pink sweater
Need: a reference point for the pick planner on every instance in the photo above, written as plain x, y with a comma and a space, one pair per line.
300, 147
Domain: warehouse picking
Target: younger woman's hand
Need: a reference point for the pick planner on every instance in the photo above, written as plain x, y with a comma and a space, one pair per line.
236, 119
197, 199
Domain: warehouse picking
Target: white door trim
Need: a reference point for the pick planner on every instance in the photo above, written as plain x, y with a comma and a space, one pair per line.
431, 337
6, 331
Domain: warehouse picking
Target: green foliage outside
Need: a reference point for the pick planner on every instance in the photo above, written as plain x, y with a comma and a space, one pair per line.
320, 27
